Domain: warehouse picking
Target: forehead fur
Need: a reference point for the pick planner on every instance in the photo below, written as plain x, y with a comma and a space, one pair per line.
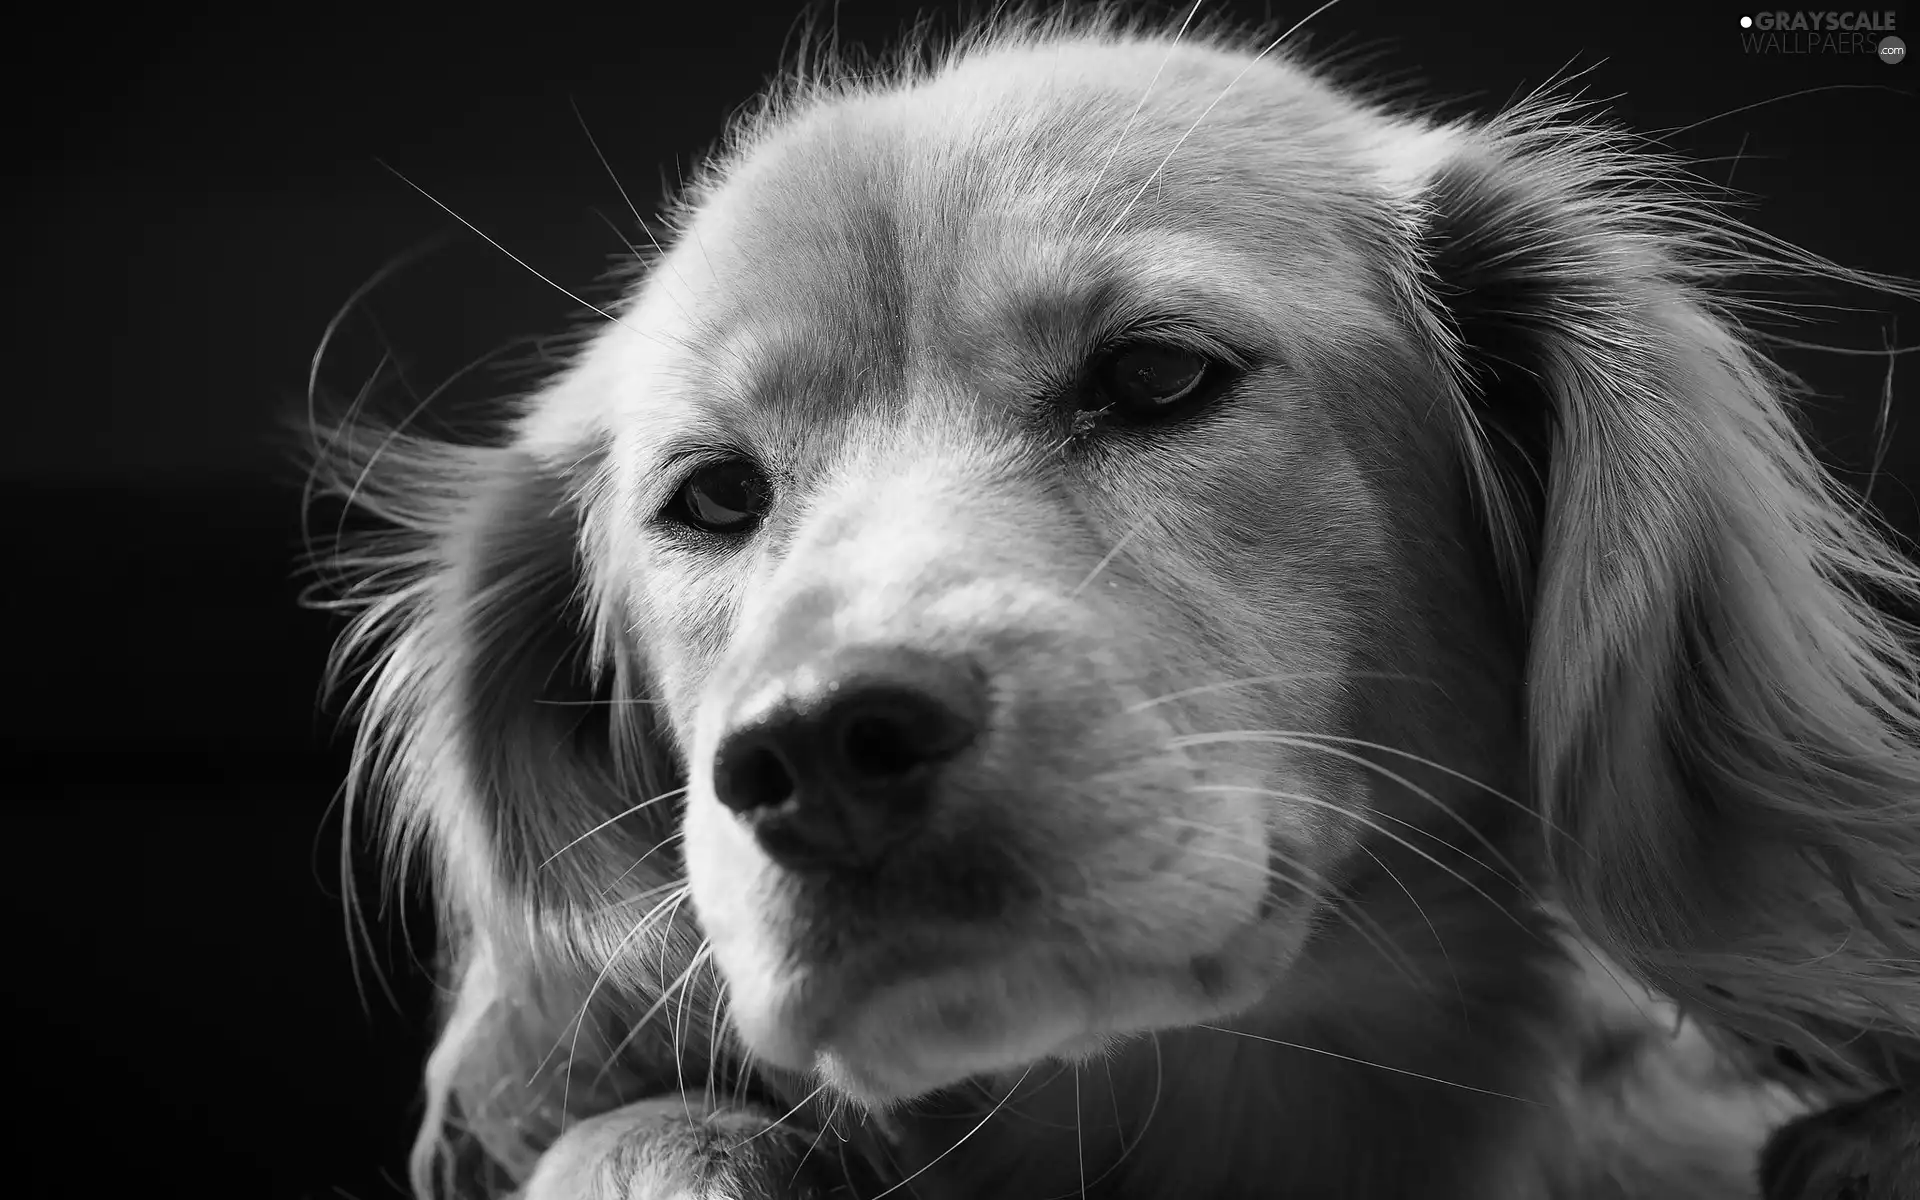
1077, 141
1005, 208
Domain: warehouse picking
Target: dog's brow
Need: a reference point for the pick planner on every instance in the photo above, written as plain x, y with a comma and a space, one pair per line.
773, 378
1169, 283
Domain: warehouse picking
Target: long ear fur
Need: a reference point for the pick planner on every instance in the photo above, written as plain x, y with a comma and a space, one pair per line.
1724, 701
499, 724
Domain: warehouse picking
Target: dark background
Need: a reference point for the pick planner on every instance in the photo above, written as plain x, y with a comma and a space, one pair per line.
196, 195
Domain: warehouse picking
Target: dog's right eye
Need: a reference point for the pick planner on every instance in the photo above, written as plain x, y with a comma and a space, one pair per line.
722, 497
1153, 381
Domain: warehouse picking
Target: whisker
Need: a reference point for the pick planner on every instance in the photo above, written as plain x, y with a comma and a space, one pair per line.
626, 199
668, 840
1423, 760
1663, 134
1280, 677
606, 702
1305, 744
818, 1136
1445, 957
1108, 557
647, 894
654, 914
779, 1121
1383, 831
749, 1063
1270, 47
1360, 922
961, 1141
1073, 226
510, 254
1439, 766
715, 1020
699, 960
676, 1034
1465, 1087
617, 817
1153, 1109
1079, 1134
579, 1022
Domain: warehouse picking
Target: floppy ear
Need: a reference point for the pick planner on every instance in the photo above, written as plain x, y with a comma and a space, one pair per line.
502, 733
501, 702
1724, 711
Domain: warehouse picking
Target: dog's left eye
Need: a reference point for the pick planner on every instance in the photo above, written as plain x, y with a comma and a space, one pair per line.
722, 497
1150, 380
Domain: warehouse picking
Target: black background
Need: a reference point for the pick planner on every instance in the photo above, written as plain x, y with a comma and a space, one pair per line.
195, 196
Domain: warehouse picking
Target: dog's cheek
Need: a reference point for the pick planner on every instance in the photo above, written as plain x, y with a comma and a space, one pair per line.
1145, 858
682, 606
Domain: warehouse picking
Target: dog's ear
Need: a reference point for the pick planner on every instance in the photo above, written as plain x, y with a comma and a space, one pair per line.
1723, 702
503, 733
502, 723
500, 719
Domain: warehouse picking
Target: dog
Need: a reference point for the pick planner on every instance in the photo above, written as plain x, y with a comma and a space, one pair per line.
1112, 617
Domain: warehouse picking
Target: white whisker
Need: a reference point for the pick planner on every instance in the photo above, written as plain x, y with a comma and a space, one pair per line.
782, 1119
1108, 557
613, 820
1073, 225
596, 309
1308, 742
1270, 48
1376, 1066
1370, 823
580, 1020
961, 1141
1277, 677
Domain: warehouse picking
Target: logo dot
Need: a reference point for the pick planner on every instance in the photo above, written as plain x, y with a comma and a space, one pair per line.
1746, 22
1892, 49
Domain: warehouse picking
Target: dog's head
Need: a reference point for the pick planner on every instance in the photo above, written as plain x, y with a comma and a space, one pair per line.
1050, 530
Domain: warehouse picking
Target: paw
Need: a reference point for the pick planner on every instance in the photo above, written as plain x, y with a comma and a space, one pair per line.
661, 1150
1862, 1150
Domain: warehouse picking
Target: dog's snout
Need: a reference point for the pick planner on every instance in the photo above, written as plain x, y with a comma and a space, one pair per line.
839, 761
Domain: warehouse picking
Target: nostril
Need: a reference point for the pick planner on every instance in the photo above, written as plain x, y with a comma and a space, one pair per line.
753, 776
892, 736
877, 748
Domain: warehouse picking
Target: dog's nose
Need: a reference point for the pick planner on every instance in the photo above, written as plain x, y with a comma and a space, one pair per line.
837, 763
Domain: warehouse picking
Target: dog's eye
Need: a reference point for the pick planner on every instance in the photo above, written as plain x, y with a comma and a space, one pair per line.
722, 497
1150, 380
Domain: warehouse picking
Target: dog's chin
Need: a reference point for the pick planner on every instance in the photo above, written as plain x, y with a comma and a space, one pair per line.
881, 1043
900, 1047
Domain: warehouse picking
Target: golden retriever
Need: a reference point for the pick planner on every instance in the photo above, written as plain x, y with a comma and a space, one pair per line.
1113, 618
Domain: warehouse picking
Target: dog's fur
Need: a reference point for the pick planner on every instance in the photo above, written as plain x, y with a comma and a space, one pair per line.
1492, 626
